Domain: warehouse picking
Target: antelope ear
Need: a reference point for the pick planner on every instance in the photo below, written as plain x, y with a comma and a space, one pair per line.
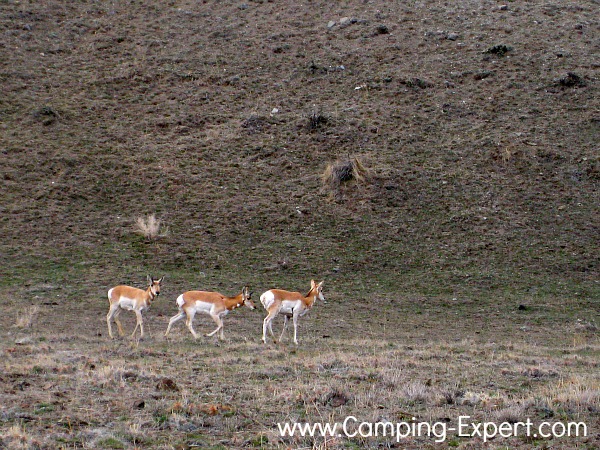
312, 283
161, 278
150, 279
321, 284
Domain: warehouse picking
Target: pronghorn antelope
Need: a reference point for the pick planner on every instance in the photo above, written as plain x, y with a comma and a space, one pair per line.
132, 299
212, 303
290, 304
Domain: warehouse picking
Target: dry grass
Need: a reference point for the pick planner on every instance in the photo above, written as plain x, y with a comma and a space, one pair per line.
579, 394
109, 375
166, 392
340, 175
16, 437
26, 317
149, 227
344, 171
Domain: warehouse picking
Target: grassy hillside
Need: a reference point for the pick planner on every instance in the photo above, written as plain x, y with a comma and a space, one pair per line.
477, 124
486, 166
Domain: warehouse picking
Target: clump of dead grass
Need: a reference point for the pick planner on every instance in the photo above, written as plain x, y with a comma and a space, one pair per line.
109, 375
149, 227
344, 172
16, 437
416, 392
577, 394
450, 395
512, 414
317, 120
26, 317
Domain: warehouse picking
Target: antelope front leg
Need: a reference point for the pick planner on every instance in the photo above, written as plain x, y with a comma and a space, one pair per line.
140, 323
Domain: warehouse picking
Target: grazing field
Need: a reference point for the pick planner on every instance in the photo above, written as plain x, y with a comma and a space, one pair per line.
435, 163
397, 359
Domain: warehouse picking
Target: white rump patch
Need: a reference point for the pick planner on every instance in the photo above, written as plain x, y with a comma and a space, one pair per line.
180, 301
267, 299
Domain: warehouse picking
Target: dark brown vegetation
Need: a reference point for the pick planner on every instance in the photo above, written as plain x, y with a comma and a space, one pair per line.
478, 123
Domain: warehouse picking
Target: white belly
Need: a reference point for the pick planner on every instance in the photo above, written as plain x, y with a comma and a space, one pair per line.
207, 308
128, 304
288, 307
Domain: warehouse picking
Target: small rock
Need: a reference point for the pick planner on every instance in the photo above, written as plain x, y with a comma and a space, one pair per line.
571, 80
187, 427
382, 29
331, 24
483, 74
503, 7
24, 340
345, 21
499, 50
452, 36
